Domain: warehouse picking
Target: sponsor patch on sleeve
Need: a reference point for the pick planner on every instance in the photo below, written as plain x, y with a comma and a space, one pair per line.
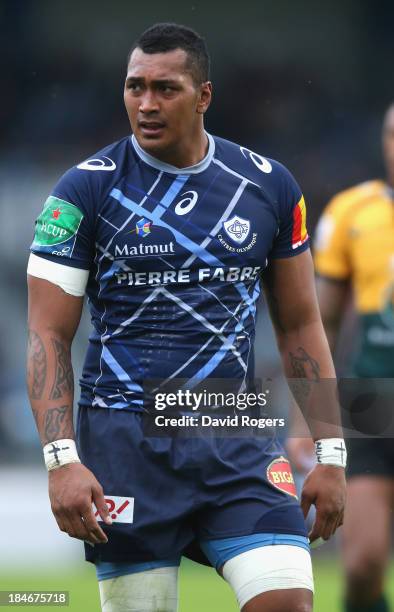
121, 509
57, 224
280, 476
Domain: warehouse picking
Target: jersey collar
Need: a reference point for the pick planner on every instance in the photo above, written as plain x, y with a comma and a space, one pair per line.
159, 165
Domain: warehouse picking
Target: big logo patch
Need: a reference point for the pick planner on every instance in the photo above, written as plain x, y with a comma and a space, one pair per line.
280, 476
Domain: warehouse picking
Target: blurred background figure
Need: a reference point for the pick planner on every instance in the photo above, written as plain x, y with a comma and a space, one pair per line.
320, 83
354, 250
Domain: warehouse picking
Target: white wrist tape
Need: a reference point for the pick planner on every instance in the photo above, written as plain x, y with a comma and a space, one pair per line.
331, 451
60, 453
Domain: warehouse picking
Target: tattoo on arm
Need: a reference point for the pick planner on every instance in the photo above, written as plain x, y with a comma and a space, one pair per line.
58, 424
305, 372
37, 365
304, 365
64, 379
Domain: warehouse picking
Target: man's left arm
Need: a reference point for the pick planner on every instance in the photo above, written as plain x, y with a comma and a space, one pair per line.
291, 296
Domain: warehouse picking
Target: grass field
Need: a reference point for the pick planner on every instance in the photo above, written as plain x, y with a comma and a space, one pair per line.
200, 588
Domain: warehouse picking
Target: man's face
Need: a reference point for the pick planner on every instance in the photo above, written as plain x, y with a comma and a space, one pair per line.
163, 103
388, 141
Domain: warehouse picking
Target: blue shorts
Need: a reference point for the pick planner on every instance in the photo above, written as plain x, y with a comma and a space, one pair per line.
185, 490
217, 551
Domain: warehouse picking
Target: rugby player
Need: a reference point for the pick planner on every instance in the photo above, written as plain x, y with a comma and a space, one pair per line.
354, 250
169, 232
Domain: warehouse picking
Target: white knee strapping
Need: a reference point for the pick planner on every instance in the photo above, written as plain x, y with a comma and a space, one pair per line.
268, 568
154, 590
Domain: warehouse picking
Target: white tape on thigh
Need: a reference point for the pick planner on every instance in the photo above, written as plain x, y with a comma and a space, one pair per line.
154, 590
268, 568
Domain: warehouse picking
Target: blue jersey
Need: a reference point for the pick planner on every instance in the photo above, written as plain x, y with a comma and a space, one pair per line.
174, 259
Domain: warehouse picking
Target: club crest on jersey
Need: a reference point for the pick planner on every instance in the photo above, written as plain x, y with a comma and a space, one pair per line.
279, 475
237, 229
142, 227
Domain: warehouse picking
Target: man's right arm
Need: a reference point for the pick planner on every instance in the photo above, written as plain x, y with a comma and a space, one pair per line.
53, 320
332, 263
332, 297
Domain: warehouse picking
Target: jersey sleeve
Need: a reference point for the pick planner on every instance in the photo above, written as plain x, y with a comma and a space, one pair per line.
331, 244
292, 236
64, 230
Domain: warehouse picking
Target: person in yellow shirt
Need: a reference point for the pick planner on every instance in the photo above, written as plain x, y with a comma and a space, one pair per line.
354, 249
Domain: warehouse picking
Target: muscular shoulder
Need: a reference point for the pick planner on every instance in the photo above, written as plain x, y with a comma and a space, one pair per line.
93, 177
276, 183
279, 193
269, 174
108, 159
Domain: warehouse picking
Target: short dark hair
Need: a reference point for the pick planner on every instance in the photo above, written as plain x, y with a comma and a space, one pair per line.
163, 37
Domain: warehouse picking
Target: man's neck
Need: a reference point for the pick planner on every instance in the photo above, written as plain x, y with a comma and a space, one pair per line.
184, 156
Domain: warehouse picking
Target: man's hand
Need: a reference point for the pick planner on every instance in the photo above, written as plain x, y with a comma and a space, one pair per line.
72, 488
325, 487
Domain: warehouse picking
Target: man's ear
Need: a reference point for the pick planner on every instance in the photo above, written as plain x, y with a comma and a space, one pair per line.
205, 97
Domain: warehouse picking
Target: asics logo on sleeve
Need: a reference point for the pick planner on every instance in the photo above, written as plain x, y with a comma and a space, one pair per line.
97, 164
260, 162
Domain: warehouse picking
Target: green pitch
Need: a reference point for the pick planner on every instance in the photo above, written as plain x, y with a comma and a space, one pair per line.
200, 588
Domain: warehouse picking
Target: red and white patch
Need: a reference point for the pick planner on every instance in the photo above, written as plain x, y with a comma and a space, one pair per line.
121, 509
280, 476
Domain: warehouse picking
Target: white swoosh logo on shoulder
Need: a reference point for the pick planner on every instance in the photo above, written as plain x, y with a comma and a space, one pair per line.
97, 164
